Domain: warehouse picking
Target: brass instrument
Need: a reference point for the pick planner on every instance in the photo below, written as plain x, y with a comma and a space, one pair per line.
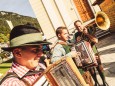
102, 20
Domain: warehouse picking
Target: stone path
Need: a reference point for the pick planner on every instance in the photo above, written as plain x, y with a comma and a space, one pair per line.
106, 47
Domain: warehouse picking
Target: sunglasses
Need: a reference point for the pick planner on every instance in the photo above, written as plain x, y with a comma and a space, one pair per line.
34, 49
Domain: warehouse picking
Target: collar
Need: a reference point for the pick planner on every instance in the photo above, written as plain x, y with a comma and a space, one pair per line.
20, 70
60, 41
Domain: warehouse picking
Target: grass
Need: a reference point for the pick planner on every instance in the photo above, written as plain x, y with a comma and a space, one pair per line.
4, 67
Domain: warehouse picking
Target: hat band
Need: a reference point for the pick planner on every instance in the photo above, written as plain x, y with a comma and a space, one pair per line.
26, 39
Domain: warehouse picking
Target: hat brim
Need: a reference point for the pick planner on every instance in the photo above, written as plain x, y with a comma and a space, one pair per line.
27, 44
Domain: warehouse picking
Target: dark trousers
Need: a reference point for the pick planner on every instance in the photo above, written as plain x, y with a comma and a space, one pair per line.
100, 70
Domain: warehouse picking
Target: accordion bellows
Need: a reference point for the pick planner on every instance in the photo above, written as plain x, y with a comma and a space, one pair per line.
62, 73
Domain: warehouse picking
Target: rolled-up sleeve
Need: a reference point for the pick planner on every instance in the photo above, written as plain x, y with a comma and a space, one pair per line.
58, 53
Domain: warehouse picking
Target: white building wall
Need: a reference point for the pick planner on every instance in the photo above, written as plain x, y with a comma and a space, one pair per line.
43, 19
96, 7
54, 13
57, 13
72, 14
63, 11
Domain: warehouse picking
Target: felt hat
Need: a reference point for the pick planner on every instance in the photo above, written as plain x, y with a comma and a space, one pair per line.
24, 35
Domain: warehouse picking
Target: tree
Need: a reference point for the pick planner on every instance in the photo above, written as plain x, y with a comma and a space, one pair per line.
3, 38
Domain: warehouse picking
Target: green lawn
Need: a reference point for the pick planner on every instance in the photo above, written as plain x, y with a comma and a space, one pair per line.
4, 67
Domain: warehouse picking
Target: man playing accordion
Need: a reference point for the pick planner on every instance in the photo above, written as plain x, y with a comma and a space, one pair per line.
63, 49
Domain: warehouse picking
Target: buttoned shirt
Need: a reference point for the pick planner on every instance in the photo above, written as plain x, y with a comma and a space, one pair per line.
20, 71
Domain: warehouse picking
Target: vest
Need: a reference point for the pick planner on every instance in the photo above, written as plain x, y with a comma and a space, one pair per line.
12, 74
67, 49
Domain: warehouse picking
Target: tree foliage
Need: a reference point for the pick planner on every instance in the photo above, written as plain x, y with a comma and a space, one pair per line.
16, 19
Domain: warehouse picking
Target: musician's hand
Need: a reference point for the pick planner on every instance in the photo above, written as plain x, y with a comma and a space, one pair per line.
78, 39
79, 53
85, 31
74, 54
47, 61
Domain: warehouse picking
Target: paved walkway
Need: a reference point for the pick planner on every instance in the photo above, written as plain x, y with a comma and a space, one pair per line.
106, 47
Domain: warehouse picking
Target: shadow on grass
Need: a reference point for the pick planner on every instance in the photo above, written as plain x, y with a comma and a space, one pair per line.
5, 67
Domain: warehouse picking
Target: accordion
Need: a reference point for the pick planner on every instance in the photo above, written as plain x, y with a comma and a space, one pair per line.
62, 73
87, 57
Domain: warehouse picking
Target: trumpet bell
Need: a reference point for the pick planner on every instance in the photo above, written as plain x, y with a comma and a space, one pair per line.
102, 20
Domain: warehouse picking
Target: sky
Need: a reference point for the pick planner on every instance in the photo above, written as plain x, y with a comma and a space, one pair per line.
21, 7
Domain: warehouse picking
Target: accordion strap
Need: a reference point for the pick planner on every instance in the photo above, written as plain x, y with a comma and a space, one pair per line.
13, 74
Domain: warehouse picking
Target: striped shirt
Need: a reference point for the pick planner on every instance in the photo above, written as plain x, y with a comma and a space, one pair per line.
20, 71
